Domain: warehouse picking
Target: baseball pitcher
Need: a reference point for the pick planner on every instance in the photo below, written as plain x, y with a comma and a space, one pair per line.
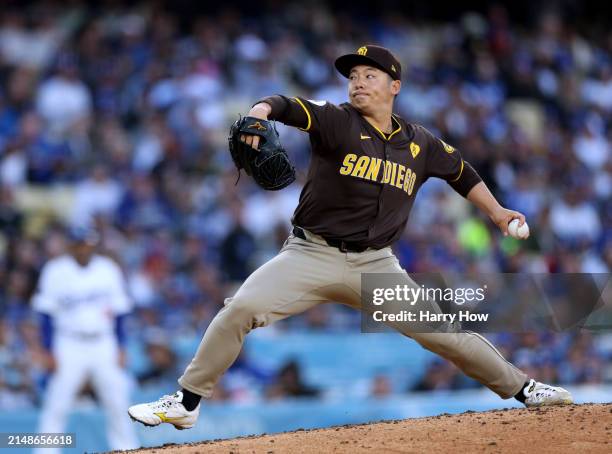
366, 168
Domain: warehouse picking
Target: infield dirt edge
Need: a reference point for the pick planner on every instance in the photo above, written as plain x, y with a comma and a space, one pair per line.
568, 428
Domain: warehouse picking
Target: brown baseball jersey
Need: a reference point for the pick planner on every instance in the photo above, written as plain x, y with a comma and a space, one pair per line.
361, 185
361, 182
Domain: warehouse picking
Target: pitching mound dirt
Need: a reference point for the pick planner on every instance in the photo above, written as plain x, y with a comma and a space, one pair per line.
572, 428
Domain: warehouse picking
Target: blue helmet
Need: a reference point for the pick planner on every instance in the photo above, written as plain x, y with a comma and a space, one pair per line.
83, 235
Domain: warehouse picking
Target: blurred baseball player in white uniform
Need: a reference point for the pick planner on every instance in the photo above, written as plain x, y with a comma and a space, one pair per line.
82, 298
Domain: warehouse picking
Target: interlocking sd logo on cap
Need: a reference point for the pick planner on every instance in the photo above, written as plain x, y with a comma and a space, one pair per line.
371, 55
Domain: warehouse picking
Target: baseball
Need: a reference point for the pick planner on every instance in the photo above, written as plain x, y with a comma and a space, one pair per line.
521, 232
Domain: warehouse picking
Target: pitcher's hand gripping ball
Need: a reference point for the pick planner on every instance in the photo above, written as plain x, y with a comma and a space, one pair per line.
522, 232
269, 165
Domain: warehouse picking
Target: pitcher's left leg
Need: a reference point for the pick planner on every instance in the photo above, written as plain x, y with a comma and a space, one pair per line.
477, 358
470, 352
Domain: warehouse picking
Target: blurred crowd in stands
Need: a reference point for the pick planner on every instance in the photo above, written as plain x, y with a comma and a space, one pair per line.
119, 117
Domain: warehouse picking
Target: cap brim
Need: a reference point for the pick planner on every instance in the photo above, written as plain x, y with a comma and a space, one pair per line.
85, 241
91, 239
345, 63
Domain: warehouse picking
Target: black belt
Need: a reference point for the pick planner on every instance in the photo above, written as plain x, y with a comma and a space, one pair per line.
343, 246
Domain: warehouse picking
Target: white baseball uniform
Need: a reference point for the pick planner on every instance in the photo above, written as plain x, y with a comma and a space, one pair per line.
83, 302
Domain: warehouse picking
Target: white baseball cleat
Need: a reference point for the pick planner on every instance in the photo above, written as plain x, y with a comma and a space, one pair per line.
167, 409
539, 394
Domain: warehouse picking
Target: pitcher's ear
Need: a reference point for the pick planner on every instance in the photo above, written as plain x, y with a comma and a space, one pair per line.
396, 85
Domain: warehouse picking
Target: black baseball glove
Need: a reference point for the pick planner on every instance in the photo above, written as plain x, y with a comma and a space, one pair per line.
269, 165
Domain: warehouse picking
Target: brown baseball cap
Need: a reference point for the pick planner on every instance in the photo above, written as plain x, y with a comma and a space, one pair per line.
371, 55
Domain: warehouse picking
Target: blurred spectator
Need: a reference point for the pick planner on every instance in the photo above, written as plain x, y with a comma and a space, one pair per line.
10, 217
237, 249
440, 375
17, 389
97, 195
64, 101
583, 363
591, 146
13, 167
381, 387
143, 205
244, 379
575, 220
289, 383
32, 46
162, 361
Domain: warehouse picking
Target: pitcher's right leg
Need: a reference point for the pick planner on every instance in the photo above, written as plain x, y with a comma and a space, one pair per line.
301, 276
292, 282
225, 335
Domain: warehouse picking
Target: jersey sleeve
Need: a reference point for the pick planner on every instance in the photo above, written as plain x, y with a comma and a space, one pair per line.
445, 161
324, 121
120, 300
45, 299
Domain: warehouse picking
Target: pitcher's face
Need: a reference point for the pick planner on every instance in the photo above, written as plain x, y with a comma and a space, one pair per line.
369, 87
